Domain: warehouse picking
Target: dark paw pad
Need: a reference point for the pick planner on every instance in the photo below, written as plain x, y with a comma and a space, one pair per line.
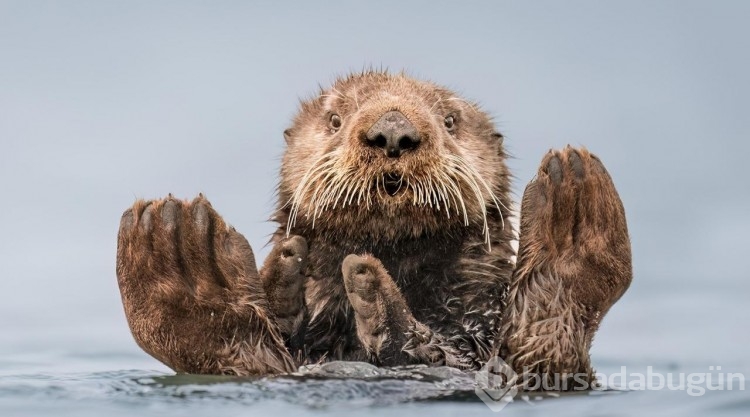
284, 281
553, 168
144, 220
284, 270
362, 276
127, 221
170, 213
572, 201
576, 164
201, 217
293, 254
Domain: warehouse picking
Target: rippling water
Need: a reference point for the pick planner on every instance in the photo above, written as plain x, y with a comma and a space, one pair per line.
95, 369
352, 388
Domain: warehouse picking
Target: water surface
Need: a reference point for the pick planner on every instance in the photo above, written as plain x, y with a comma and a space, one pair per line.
95, 369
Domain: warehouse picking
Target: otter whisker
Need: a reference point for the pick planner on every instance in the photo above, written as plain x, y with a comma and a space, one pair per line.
349, 192
321, 182
356, 99
400, 184
457, 197
435, 193
416, 185
455, 194
431, 196
334, 189
317, 169
466, 173
436, 103
339, 93
447, 196
317, 182
368, 196
473, 106
355, 185
468, 180
418, 195
481, 180
294, 199
316, 200
344, 187
378, 179
330, 186
428, 193
307, 181
362, 188
330, 96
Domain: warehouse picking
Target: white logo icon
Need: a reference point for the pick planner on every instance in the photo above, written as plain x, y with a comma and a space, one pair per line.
496, 384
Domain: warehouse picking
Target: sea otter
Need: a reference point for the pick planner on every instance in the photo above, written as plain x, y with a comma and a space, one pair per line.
393, 247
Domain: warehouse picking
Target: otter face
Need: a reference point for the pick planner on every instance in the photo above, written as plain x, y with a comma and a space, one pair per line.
392, 155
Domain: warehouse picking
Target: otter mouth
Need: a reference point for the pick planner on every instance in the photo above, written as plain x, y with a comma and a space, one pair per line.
393, 184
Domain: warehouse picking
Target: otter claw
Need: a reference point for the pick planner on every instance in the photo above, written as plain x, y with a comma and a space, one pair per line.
200, 215
554, 169
127, 221
145, 220
169, 213
576, 164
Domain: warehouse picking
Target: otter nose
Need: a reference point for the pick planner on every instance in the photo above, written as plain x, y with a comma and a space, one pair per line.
394, 133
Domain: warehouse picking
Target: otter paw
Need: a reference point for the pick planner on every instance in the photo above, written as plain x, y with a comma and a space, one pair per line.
573, 221
284, 282
381, 314
362, 279
191, 291
293, 256
574, 262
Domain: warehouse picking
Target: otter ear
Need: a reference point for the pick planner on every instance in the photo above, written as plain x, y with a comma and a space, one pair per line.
498, 136
288, 136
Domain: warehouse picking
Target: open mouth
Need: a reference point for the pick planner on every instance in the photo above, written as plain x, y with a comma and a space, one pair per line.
393, 183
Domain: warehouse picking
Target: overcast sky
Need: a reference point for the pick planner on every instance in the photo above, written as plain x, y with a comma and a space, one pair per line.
103, 102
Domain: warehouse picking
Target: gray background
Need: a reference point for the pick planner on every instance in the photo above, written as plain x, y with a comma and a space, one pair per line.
105, 102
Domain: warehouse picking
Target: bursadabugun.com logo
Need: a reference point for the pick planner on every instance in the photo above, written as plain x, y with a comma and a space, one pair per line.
694, 384
497, 384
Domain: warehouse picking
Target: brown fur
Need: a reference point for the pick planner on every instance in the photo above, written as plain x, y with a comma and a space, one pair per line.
391, 260
457, 246
574, 263
191, 292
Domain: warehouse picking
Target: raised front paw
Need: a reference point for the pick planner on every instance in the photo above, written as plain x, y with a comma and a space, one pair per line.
191, 291
574, 262
381, 314
572, 221
283, 277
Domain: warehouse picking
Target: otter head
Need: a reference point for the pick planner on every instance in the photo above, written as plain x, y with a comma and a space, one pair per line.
382, 156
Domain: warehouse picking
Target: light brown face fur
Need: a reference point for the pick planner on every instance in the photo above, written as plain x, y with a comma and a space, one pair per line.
334, 179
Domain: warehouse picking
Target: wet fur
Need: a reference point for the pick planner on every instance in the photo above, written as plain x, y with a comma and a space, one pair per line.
191, 292
422, 276
446, 252
574, 263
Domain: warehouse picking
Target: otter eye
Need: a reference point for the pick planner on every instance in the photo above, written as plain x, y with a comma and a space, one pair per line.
334, 122
449, 123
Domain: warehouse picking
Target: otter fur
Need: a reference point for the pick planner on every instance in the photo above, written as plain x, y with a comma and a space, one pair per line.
393, 246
